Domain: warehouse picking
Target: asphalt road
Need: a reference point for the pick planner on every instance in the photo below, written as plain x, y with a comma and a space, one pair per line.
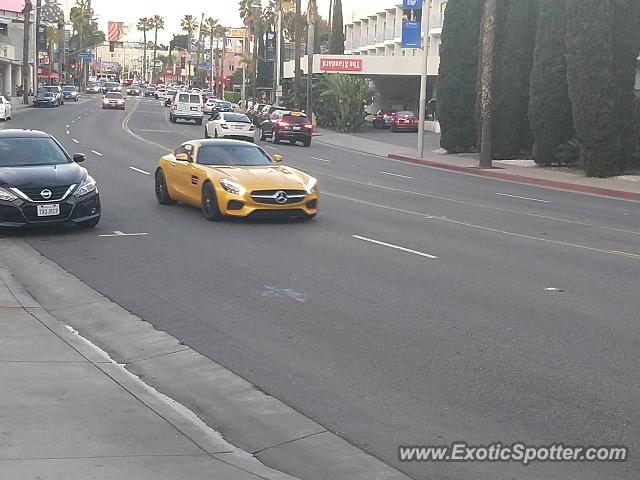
401, 139
420, 307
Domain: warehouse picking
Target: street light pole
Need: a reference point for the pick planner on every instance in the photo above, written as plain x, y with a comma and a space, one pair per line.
423, 78
25, 51
278, 56
311, 14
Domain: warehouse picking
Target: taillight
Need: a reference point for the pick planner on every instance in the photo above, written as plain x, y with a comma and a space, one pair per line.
174, 107
224, 125
202, 108
308, 125
283, 124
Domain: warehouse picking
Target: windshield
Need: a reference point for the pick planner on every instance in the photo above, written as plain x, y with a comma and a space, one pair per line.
113, 95
112, 85
50, 88
69, 89
232, 154
25, 152
235, 117
223, 104
45, 95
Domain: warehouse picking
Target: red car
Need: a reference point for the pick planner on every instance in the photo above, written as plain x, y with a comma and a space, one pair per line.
383, 118
404, 121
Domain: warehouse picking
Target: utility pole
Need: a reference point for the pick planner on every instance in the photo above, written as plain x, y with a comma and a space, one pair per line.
25, 51
224, 51
423, 77
254, 9
36, 60
298, 31
486, 81
278, 94
243, 90
90, 17
312, 18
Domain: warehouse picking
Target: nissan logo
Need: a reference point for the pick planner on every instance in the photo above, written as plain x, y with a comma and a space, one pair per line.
46, 194
281, 197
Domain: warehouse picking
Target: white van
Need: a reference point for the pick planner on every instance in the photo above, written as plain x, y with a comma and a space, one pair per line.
187, 106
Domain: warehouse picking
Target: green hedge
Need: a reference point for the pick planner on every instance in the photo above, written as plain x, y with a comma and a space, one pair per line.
233, 97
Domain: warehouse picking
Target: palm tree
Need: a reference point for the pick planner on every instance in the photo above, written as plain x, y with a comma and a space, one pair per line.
144, 25
189, 25
158, 24
211, 27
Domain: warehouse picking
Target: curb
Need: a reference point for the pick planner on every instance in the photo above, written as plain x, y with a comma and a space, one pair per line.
272, 432
605, 192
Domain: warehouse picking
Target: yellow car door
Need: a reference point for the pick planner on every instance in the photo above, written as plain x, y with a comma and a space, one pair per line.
178, 173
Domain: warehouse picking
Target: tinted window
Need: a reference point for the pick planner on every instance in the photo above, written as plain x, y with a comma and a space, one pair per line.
296, 119
45, 95
405, 114
69, 89
223, 104
113, 95
235, 117
50, 88
195, 99
240, 155
24, 152
183, 97
112, 85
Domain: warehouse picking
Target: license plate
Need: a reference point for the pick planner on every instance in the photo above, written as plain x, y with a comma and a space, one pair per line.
48, 210
295, 127
194, 109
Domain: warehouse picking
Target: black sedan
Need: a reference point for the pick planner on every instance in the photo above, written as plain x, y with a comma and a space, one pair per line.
46, 99
69, 92
40, 183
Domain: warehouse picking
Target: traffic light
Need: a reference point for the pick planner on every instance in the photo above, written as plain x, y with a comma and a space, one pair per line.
183, 60
112, 47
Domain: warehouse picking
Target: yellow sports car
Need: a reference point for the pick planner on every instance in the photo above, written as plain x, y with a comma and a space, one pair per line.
236, 179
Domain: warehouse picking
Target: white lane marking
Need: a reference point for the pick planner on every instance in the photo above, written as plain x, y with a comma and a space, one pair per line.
523, 198
79, 117
74, 140
267, 146
68, 132
66, 126
396, 247
395, 175
118, 233
73, 121
97, 153
138, 170
321, 159
554, 289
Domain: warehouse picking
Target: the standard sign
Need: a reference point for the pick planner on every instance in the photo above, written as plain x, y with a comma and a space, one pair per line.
341, 65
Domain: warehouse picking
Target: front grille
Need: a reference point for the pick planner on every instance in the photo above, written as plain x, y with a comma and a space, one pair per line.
35, 193
270, 197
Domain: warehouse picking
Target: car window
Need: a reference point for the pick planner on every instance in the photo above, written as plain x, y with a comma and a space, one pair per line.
113, 95
195, 99
296, 119
68, 89
24, 152
183, 97
232, 154
404, 114
276, 115
236, 117
2, 99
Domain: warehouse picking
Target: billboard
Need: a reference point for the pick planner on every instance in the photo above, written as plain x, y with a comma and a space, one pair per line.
411, 23
12, 5
117, 30
234, 32
340, 64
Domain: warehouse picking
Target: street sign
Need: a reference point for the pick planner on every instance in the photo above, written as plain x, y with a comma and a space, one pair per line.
205, 66
236, 33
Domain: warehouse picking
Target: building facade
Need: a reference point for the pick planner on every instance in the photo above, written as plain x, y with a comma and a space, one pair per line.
11, 41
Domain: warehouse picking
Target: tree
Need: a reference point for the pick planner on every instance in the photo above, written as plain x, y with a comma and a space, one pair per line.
486, 82
515, 39
180, 41
550, 114
459, 56
144, 25
344, 98
336, 45
626, 45
590, 76
157, 22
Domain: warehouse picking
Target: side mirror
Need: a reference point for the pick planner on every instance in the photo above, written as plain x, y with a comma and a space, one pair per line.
183, 157
79, 157
277, 158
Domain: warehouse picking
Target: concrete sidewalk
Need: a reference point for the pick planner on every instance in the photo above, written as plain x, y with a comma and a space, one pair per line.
69, 412
626, 188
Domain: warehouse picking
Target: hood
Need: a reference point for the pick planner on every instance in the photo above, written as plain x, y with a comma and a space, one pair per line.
45, 175
264, 178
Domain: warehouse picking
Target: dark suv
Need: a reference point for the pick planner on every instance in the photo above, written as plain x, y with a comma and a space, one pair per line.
266, 112
286, 125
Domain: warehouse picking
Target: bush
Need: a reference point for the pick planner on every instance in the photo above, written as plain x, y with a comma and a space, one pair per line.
342, 101
233, 97
459, 58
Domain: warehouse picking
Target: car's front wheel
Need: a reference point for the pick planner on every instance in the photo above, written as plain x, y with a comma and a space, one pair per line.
162, 192
210, 203
206, 132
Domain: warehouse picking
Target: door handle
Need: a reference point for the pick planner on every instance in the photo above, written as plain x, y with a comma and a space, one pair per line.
173, 164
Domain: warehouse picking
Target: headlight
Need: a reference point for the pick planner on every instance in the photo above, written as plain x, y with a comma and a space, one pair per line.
232, 187
120, 102
311, 186
87, 186
6, 195
104, 100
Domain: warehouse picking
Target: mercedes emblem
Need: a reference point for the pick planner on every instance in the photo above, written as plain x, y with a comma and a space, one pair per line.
281, 197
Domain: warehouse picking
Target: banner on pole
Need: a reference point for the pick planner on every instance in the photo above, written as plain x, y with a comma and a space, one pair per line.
271, 47
411, 23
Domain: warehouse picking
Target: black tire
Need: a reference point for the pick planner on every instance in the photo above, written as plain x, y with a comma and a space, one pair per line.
210, 203
206, 132
275, 138
215, 132
263, 137
162, 193
171, 119
307, 143
89, 223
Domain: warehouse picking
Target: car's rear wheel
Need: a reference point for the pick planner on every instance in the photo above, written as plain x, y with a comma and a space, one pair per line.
263, 136
210, 203
307, 143
275, 138
162, 192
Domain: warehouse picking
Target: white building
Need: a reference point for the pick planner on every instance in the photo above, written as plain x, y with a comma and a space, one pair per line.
11, 40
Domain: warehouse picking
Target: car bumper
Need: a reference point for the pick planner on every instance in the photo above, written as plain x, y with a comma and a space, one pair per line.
244, 206
299, 136
185, 116
412, 127
112, 106
237, 135
44, 104
70, 97
20, 213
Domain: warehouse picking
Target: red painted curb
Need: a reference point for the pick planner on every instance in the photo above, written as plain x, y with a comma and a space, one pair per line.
607, 192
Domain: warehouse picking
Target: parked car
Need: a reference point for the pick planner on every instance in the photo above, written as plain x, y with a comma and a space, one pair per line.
113, 100
404, 120
266, 112
93, 88
209, 105
42, 183
253, 112
134, 91
169, 96
187, 106
287, 125
5, 108
56, 90
229, 125
46, 99
70, 92
383, 118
